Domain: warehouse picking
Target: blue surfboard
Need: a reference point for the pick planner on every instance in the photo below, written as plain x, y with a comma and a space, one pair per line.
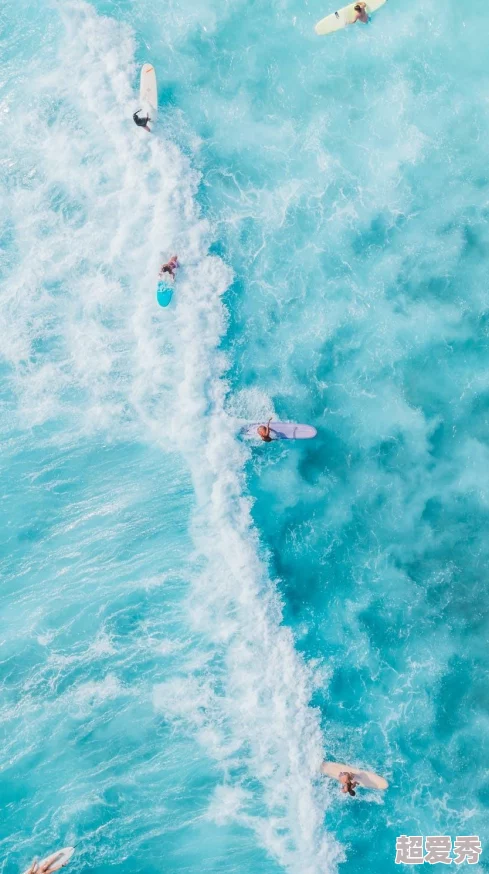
164, 294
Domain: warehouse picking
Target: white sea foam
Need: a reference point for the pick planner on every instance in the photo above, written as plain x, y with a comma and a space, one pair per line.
87, 695
96, 202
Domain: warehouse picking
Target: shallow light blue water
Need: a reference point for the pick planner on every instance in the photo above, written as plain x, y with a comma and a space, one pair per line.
155, 707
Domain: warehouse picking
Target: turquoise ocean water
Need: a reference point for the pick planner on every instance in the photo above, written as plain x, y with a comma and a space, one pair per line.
189, 624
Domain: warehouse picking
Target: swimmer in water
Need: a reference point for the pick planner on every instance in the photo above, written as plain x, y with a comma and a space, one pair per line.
348, 784
141, 122
360, 10
264, 431
170, 267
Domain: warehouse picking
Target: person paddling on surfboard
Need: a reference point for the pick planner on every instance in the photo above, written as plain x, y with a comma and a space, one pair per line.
264, 431
170, 267
348, 784
360, 13
48, 866
141, 122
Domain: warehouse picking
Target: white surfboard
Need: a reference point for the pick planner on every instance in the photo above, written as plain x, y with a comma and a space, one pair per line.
367, 779
343, 17
148, 92
61, 857
282, 431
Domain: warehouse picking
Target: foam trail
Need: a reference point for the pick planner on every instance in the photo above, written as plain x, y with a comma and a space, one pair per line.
261, 717
88, 347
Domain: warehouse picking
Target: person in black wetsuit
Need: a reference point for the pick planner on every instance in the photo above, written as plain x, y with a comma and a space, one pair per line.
141, 122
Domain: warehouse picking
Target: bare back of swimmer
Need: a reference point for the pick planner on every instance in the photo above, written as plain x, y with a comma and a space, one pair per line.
360, 10
348, 784
170, 267
264, 431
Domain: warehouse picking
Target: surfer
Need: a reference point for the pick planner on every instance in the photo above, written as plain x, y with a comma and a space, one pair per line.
348, 784
141, 122
48, 866
170, 267
360, 10
264, 431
